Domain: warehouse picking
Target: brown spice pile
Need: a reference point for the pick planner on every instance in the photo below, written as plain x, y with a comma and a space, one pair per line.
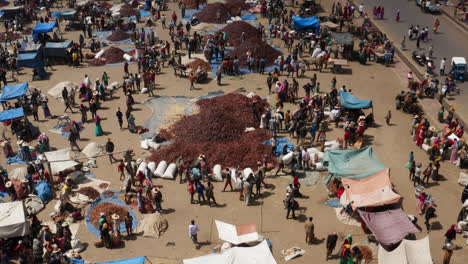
235, 29
109, 209
97, 62
113, 55
128, 12
236, 6
257, 49
90, 192
217, 131
118, 35
103, 185
199, 63
208, 14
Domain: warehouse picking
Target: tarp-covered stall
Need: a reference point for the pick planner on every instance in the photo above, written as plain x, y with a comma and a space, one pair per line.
137, 260
10, 92
43, 28
307, 23
237, 234
348, 100
57, 49
390, 226
408, 252
259, 254
11, 114
32, 60
375, 190
13, 221
353, 164
60, 160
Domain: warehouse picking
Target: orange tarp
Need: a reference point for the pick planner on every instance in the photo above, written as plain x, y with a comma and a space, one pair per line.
375, 190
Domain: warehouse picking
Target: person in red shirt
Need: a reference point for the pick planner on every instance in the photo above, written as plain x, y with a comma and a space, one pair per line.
174, 17
120, 169
191, 190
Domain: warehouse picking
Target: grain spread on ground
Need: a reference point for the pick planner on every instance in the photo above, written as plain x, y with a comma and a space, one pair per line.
90, 192
109, 209
113, 55
236, 6
256, 49
217, 131
210, 12
235, 29
199, 63
118, 35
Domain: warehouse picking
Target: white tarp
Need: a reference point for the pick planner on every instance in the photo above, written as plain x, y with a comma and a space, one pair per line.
408, 252
236, 234
18, 173
13, 220
61, 154
56, 91
93, 149
99, 185
259, 254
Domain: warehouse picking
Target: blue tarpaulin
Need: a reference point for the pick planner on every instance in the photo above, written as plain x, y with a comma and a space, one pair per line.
349, 101
43, 28
353, 164
57, 45
32, 60
280, 144
57, 49
11, 114
137, 260
307, 23
11, 92
66, 13
43, 191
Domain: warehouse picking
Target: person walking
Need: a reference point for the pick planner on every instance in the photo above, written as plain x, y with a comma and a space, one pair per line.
129, 224
209, 191
443, 62
193, 233
247, 191
157, 199
397, 19
448, 248
98, 130
110, 150
192, 81
417, 174
331, 244
388, 117
121, 170
428, 214
309, 230
427, 173
228, 180
201, 192
191, 190
119, 116
291, 206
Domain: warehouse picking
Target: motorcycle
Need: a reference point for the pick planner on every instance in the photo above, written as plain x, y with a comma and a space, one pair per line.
430, 67
432, 88
421, 59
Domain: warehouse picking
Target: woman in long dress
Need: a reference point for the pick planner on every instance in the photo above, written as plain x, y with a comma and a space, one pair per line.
131, 123
45, 107
454, 152
98, 130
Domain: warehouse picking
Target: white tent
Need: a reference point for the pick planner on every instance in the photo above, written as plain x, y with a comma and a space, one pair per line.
13, 220
56, 160
259, 254
408, 252
236, 234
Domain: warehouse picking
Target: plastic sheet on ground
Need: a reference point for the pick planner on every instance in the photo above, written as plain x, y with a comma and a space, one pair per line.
99, 185
351, 102
311, 178
93, 149
292, 253
335, 203
190, 12
109, 197
16, 160
152, 225
59, 129
144, 13
33, 204
137, 260
280, 144
56, 91
408, 252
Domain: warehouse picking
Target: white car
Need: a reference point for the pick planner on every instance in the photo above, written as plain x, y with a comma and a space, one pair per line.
431, 6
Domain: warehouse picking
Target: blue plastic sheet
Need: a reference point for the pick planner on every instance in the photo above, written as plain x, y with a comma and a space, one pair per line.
144, 13
10, 92
16, 160
190, 12
109, 197
249, 17
59, 129
349, 101
43, 191
137, 260
306, 23
280, 144
11, 114
335, 203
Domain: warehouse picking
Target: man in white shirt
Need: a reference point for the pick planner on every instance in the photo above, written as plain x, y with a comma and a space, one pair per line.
442, 66
193, 232
361, 10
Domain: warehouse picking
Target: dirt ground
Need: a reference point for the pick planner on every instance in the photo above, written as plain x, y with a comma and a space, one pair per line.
392, 145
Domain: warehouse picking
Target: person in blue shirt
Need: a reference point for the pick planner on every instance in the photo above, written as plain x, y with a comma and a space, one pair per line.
201, 192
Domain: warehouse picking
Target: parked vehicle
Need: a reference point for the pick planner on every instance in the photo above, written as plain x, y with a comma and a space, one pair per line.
429, 6
459, 68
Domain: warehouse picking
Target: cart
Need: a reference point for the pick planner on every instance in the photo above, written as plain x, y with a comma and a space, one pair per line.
338, 65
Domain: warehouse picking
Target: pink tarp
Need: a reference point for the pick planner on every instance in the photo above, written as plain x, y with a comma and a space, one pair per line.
375, 190
388, 227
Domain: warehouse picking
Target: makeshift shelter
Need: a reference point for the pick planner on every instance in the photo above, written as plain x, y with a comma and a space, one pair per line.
237, 234
259, 254
11, 12
375, 190
32, 60
152, 225
27, 47
348, 100
137, 260
307, 23
408, 252
18, 173
389, 226
11, 114
57, 49
43, 28
15, 91
13, 221
354, 164
60, 160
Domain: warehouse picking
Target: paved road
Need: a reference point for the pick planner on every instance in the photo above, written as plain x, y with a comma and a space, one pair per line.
450, 42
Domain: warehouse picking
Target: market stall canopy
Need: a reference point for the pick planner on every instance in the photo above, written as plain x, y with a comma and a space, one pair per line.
259, 254
32, 60
13, 221
342, 38
137, 260
390, 226
408, 252
237, 234
10, 92
11, 114
375, 190
43, 28
348, 100
306, 23
18, 173
29, 47
60, 160
58, 49
354, 164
